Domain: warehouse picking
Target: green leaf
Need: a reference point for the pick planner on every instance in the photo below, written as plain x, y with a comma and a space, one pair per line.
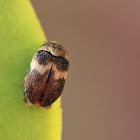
20, 37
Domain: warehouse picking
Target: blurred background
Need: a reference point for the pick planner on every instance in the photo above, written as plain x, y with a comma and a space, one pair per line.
101, 100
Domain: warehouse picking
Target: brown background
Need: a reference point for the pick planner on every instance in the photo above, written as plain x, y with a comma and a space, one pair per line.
101, 100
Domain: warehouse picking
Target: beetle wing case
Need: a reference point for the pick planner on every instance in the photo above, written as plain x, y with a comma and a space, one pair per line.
45, 79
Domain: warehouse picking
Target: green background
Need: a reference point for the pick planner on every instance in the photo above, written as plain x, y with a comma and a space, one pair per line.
20, 37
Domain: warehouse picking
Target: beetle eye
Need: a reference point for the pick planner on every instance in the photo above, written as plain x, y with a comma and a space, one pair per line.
59, 49
53, 46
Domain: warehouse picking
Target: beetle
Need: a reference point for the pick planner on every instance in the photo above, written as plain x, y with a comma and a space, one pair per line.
46, 76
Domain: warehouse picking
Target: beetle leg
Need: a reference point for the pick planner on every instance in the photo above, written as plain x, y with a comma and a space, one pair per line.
45, 108
23, 82
37, 104
27, 102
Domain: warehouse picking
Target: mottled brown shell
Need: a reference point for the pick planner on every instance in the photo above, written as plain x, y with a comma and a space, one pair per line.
46, 77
